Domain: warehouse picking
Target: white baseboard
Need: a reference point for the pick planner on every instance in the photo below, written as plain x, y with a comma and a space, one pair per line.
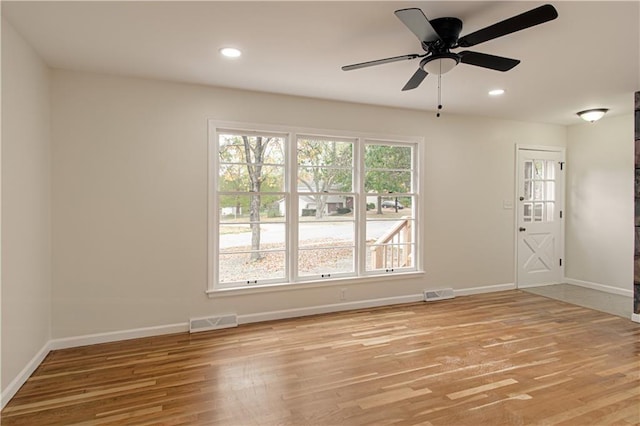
635, 317
484, 289
116, 336
22, 377
538, 285
362, 304
324, 309
600, 287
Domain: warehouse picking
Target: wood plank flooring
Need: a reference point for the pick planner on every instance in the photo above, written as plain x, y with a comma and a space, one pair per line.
508, 358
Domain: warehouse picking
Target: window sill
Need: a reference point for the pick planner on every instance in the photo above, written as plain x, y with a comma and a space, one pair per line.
269, 288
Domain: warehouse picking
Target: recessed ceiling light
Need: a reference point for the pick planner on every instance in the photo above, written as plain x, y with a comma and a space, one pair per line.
230, 52
496, 92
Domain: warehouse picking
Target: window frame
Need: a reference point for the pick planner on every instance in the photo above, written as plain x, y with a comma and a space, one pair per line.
291, 196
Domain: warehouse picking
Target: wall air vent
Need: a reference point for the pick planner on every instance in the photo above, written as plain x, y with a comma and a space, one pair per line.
441, 294
213, 323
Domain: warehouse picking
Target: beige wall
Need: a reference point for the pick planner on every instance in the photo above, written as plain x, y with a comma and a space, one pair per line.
130, 198
599, 227
26, 212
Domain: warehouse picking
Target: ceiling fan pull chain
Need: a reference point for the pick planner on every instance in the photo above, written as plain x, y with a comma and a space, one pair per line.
439, 91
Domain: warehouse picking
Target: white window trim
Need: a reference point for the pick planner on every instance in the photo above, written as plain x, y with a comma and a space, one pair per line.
291, 133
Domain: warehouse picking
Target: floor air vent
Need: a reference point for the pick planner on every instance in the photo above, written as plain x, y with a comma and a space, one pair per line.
442, 294
212, 323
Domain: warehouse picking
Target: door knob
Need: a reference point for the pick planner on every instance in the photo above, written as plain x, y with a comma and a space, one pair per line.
522, 229
521, 198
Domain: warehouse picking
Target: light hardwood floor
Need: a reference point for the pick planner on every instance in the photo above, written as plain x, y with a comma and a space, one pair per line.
507, 358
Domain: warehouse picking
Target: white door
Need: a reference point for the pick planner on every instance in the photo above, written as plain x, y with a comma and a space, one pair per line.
539, 230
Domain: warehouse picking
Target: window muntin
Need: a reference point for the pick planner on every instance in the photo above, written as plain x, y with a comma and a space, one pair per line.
293, 208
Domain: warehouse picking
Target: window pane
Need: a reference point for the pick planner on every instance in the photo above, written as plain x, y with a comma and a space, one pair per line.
537, 190
550, 212
321, 179
251, 149
550, 191
236, 177
267, 236
384, 231
387, 157
382, 181
251, 267
326, 206
237, 208
391, 204
538, 169
325, 153
537, 212
551, 170
527, 212
528, 169
389, 256
330, 260
527, 189
326, 234
389, 244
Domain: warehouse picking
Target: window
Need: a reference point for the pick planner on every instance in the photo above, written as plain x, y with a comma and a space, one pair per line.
290, 207
389, 182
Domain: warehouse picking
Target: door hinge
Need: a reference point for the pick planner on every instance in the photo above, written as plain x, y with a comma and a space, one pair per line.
560, 214
561, 165
560, 262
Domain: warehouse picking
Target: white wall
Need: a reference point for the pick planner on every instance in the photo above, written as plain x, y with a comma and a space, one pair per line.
26, 206
130, 198
600, 193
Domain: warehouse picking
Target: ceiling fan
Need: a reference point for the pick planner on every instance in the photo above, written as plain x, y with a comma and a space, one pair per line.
438, 36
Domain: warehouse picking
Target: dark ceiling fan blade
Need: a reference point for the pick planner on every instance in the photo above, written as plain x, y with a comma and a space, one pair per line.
528, 19
379, 62
415, 79
415, 20
498, 63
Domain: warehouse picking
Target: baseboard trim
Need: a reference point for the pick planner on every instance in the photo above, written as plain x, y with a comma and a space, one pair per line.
116, 336
600, 287
635, 317
24, 375
484, 289
538, 285
325, 309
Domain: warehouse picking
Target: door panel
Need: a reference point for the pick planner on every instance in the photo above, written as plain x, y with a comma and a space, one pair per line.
539, 223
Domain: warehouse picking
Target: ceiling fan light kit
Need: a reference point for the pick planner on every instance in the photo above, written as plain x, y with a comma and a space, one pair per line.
592, 115
439, 36
441, 64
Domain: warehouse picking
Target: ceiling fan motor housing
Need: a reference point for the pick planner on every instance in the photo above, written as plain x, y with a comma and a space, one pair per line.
448, 29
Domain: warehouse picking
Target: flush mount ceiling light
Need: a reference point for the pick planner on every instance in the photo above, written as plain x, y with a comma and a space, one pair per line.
440, 64
496, 92
230, 52
592, 115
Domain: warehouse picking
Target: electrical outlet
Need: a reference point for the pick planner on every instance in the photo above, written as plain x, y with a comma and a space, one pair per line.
343, 294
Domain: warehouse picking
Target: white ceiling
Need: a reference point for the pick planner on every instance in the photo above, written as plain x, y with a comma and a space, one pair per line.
588, 57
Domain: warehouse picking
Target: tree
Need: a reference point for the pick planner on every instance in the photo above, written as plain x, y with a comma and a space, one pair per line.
325, 166
388, 170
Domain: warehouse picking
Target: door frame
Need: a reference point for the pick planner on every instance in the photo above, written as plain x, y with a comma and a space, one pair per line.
562, 206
